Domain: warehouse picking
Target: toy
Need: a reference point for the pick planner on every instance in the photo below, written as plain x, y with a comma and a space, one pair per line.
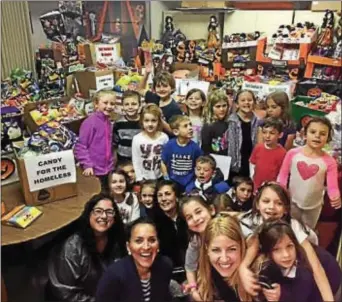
213, 38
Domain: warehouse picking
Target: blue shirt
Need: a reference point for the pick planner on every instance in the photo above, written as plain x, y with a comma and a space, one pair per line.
181, 160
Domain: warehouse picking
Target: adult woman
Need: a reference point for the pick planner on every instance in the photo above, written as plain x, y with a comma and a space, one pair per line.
223, 248
75, 268
171, 226
143, 275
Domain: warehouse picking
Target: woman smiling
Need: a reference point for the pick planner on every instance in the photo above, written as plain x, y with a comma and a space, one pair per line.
75, 268
143, 275
221, 253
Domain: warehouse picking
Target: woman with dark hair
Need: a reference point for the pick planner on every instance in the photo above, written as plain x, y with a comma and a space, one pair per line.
143, 275
171, 226
75, 268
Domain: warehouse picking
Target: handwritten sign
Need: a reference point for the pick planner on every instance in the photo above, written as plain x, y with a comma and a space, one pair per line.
106, 53
104, 82
50, 170
184, 85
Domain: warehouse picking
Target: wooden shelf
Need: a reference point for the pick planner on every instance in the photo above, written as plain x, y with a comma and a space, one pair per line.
325, 61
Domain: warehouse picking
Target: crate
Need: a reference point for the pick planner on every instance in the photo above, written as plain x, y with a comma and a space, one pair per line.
298, 112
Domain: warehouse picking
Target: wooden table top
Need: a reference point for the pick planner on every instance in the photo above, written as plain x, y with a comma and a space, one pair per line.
56, 214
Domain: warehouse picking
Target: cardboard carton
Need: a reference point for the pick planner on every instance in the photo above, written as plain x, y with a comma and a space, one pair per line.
74, 126
94, 80
44, 195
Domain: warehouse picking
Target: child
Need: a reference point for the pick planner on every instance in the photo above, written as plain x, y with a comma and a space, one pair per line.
94, 147
164, 86
242, 133
197, 214
127, 202
273, 202
128, 168
195, 101
127, 126
179, 154
307, 169
147, 145
205, 181
214, 139
223, 203
278, 106
282, 251
147, 198
267, 157
241, 194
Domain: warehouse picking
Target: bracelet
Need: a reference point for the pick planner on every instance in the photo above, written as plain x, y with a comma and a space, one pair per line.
192, 285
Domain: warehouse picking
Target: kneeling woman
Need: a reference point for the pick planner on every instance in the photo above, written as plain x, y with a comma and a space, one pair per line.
143, 275
221, 253
76, 267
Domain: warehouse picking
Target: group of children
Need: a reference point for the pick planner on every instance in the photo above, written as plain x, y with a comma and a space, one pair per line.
162, 146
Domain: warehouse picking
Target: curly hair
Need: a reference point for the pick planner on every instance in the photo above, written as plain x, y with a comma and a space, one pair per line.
214, 97
115, 235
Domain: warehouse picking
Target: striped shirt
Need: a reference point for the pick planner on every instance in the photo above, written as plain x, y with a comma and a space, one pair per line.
146, 289
123, 133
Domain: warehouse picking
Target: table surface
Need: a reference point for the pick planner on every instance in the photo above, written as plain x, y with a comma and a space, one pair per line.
56, 214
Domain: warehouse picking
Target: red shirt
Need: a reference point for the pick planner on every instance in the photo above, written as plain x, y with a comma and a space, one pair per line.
267, 163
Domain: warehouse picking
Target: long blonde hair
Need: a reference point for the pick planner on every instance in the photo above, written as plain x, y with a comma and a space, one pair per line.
227, 226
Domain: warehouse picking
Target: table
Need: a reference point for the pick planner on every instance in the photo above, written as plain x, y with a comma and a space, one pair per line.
56, 215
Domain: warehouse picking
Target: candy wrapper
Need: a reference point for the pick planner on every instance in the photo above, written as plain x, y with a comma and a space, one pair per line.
53, 26
52, 137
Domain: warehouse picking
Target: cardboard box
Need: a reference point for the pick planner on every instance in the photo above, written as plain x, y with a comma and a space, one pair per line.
94, 80
321, 6
74, 126
101, 53
44, 195
205, 4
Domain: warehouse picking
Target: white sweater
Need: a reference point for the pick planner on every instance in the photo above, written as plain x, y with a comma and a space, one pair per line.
146, 155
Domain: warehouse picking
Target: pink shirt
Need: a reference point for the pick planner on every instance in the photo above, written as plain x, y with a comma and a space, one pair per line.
306, 177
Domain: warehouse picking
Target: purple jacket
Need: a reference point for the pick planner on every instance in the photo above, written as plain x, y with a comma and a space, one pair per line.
94, 147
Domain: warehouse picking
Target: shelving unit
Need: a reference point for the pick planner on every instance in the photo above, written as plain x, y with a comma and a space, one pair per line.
219, 12
317, 60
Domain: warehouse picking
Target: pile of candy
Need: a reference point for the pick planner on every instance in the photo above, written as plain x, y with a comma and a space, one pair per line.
297, 31
60, 111
325, 102
19, 89
50, 137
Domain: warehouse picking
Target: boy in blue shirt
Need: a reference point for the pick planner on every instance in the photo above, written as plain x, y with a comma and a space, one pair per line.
179, 154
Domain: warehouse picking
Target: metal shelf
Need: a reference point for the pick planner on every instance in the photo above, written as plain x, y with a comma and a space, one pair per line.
219, 11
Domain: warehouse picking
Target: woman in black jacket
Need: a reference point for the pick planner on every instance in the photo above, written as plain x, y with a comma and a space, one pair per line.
75, 268
171, 226
143, 276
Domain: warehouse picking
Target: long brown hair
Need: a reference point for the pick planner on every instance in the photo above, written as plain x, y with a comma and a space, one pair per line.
271, 232
226, 226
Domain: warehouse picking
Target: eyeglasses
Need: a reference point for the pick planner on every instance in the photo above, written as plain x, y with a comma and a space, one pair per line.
98, 212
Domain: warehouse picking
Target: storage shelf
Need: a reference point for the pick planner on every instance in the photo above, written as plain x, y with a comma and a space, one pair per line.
325, 61
203, 10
